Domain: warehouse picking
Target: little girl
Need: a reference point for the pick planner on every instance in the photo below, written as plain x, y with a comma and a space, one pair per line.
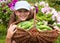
22, 12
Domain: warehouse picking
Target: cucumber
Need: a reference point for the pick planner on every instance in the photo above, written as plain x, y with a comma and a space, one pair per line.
40, 23
44, 27
25, 25
29, 24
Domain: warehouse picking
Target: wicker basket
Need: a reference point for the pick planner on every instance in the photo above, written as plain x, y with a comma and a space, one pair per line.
35, 36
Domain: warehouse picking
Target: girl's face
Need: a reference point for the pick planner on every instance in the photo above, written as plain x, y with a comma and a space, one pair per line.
22, 14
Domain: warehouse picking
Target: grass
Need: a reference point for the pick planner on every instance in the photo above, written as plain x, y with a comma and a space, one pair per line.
2, 33
58, 40
2, 39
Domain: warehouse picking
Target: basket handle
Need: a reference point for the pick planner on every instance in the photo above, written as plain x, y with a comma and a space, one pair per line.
35, 18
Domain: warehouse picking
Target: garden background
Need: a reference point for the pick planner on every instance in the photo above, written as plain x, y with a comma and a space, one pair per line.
6, 9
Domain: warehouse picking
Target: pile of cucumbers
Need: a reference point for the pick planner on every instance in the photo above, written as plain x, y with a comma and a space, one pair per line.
29, 24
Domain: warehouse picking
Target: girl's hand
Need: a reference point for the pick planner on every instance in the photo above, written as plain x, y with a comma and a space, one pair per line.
57, 28
12, 29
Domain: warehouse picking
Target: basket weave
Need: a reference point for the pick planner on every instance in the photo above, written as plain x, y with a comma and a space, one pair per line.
35, 36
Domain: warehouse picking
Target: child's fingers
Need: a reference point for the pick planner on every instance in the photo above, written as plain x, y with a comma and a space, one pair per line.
10, 25
15, 30
58, 32
13, 27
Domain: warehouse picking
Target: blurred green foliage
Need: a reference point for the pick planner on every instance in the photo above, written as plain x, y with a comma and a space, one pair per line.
4, 18
3, 31
53, 3
4, 13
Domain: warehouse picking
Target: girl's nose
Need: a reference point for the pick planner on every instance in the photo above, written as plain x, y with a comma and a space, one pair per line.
22, 13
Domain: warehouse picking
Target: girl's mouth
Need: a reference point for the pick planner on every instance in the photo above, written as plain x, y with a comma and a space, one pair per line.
23, 18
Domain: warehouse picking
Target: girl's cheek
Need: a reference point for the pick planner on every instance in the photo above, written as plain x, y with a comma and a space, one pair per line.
17, 13
27, 13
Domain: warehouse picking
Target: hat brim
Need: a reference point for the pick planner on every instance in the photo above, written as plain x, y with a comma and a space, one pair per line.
22, 8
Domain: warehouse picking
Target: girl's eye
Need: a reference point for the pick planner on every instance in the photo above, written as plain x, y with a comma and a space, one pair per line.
20, 11
26, 11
